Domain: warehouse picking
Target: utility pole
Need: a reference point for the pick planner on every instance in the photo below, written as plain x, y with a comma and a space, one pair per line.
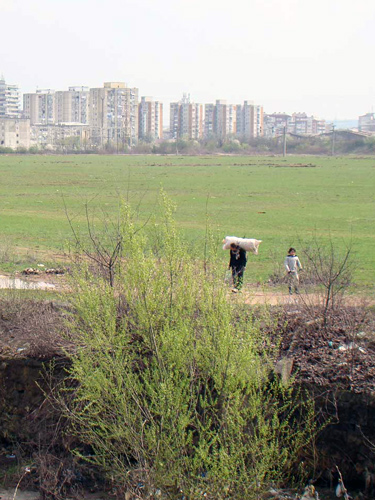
333, 141
284, 141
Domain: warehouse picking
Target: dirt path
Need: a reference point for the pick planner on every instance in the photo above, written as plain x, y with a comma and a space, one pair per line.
34, 495
275, 298
21, 495
258, 296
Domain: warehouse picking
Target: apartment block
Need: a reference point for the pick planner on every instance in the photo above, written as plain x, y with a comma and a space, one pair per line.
319, 126
40, 107
113, 114
68, 136
366, 123
296, 123
209, 120
72, 106
186, 119
275, 123
9, 100
150, 119
14, 133
225, 119
249, 120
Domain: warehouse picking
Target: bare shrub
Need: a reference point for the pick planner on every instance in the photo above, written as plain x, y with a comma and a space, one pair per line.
32, 326
330, 269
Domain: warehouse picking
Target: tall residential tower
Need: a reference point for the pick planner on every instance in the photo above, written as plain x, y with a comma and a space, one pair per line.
150, 119
9, 100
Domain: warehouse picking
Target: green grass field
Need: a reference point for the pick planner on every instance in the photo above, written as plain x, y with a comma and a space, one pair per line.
279, 200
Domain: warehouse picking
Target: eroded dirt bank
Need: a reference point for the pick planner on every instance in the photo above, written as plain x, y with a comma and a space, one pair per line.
335, 364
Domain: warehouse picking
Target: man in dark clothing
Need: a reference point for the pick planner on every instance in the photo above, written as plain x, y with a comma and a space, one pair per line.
238, 264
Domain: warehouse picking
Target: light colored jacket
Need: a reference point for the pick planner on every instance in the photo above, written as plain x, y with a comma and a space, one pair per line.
292, 263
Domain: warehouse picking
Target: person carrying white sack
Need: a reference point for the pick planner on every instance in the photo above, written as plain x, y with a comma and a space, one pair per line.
237, 263
292, 265
238, 259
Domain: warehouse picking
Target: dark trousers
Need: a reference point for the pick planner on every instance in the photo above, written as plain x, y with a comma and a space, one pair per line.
237, 275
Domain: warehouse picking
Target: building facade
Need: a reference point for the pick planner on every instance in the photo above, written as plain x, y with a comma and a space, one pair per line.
225, 119
186, 119
40, 107
249, 120
275, 124
9, 100
366, 123
72, 106
150, 119
66, 136
14, 133
209, 120
113, 115
296, 123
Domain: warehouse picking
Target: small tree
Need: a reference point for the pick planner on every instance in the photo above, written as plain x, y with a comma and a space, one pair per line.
102, 242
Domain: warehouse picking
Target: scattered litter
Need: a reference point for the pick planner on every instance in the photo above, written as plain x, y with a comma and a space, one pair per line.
361, 335
10, 457
21, 349
314, 321
55, 271
284, 368
310, 493
351, 346
31, 270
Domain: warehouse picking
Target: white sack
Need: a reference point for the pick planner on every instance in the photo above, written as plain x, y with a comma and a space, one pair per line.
248, 244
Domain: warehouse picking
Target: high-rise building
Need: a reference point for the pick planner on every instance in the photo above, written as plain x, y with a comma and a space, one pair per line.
9, 100
249, 120
113, 114
209, 120
40, 107
72, 106
225, 119
150, 119
186, 119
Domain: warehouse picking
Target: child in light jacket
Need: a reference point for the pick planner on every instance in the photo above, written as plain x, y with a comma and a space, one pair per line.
292, 265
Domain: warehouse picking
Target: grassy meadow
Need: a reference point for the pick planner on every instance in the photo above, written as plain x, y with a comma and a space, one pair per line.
278, 200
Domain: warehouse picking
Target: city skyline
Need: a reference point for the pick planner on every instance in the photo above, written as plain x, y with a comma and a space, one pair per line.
288, 56
278, 109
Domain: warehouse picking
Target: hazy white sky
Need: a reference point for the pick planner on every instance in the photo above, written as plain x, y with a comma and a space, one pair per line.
289, 55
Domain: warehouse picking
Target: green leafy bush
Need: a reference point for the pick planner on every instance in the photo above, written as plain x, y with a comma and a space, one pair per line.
174, 387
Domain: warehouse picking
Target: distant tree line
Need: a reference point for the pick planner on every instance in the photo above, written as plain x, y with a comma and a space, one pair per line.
344, 143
